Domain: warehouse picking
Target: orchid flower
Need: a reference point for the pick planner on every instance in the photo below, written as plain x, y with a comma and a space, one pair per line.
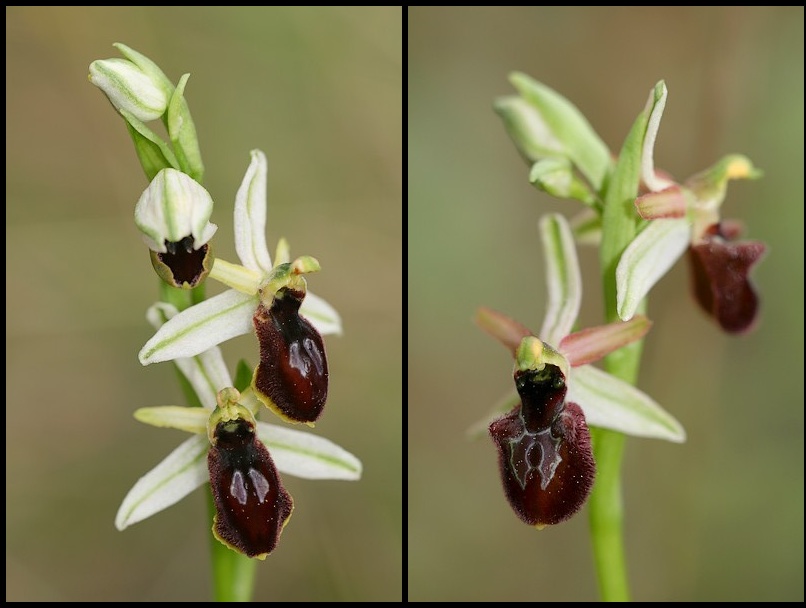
271, 300
186, 468
685, 217
543, 443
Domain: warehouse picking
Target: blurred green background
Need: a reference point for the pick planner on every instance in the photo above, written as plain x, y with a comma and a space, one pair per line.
319, 90
717, 518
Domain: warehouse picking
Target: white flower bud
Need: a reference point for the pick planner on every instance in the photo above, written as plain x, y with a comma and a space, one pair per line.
172, 208
129, 88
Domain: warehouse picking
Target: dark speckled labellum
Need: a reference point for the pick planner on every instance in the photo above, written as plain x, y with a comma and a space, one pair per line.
252, 507
292, 376
544, 450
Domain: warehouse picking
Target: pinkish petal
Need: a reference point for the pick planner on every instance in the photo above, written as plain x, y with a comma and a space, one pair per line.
592, 344
667, 203
501, 327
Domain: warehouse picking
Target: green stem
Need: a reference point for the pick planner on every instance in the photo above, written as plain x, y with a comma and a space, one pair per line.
233, 573
605, 507
607, 516
606, 511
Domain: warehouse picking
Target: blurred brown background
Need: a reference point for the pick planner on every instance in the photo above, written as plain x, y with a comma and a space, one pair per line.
319, 90
717, 518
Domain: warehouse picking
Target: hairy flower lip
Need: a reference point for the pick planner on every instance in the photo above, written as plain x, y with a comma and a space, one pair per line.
252, 506
720, 279
544, 450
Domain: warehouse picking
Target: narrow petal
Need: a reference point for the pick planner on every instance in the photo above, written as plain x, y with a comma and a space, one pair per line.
190, 419
201, 327
308, 456
206, 372
321, 315
593, 343
654, 108
646, 260
182, 471
562, 276
667, 203
613, 404
250, 216
505, 329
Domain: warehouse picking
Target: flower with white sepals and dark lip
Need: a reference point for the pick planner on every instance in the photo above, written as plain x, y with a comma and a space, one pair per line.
195, 461
545, 457
686, 217
271, 300
173, 215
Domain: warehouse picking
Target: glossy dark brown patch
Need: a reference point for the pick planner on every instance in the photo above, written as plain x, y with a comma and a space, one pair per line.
251, 504
292, 372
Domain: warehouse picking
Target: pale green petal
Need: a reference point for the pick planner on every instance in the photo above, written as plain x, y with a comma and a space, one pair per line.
306, 455
647, 259
250, 216
190, 419
613, 404
562, 276
181, 472
321, 314
201, 327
